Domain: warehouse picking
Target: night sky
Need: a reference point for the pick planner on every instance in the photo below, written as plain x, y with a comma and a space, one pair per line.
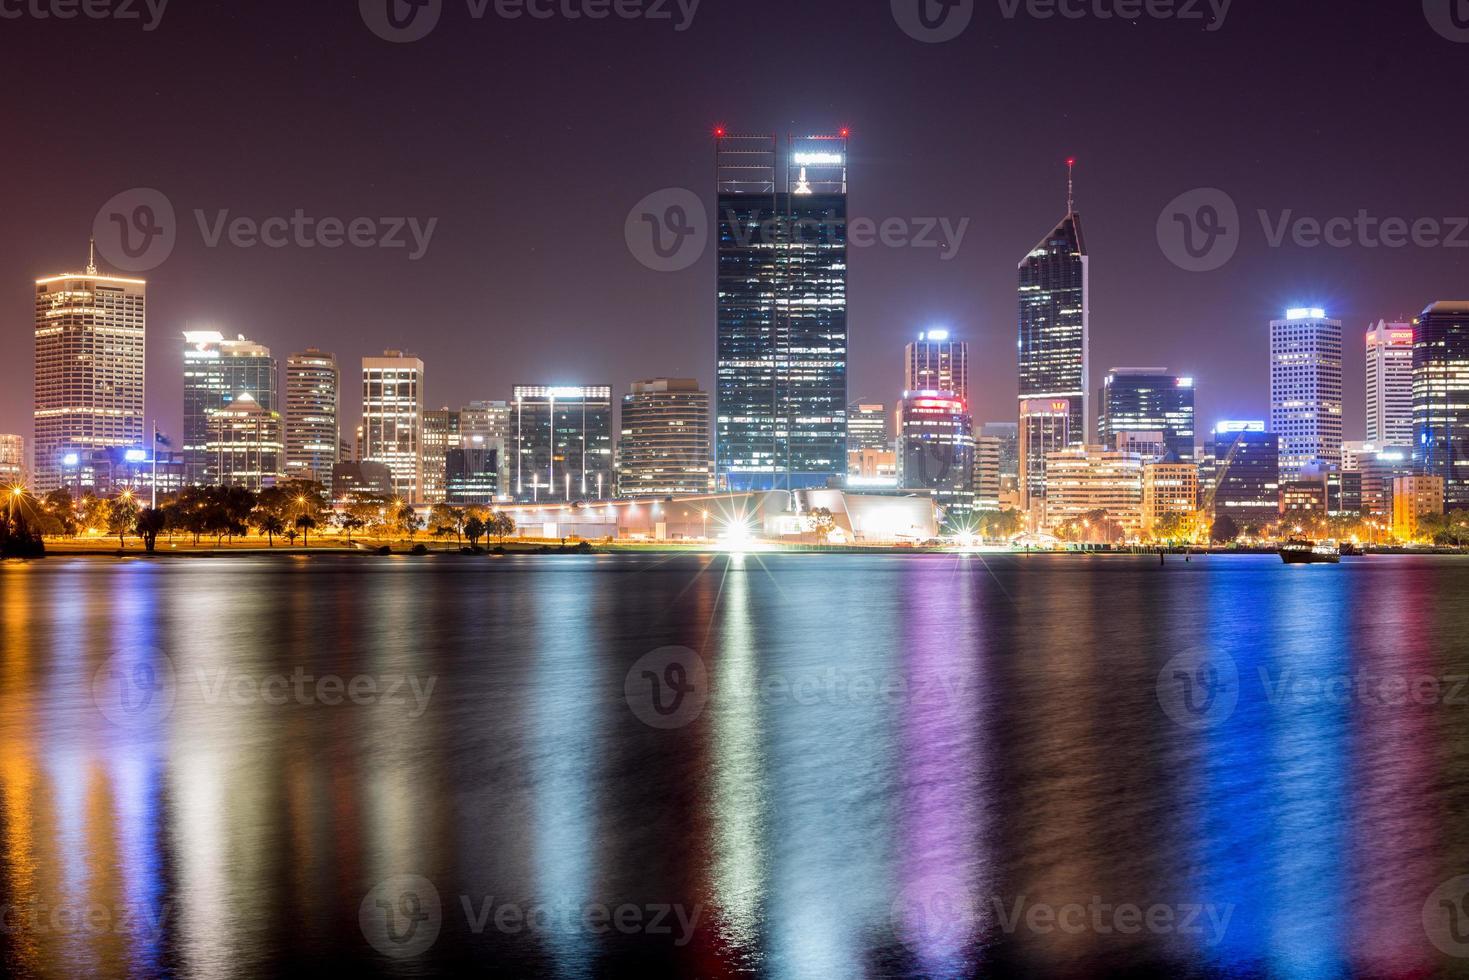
530, 140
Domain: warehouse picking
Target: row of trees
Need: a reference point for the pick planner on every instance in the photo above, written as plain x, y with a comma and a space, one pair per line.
294, 509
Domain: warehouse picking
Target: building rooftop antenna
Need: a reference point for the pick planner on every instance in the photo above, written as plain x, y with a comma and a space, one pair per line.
92, 257
1071, 185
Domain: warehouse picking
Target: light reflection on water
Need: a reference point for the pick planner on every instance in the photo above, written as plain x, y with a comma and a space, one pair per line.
897, 756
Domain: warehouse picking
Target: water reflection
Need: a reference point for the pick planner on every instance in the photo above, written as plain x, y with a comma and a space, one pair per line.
877, 725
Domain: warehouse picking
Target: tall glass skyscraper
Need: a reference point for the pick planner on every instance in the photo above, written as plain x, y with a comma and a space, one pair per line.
313, 428
937, 362
563, 443
1148, 400
1306, 391
1055, 304
1390, 384
1441, 398
216, 373
89, 371
782, 302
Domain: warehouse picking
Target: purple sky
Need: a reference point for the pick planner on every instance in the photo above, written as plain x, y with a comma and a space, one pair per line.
529, 141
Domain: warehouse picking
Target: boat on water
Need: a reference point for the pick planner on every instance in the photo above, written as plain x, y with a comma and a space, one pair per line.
1309, 553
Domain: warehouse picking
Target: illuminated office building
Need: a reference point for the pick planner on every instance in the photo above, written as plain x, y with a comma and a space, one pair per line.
937, 362
1376, 472
1306, 391
987, 483
392, 420
562, 443
89, 370
441, 433
1148, 400
867, 426
1413, 499
471, 476
1247, 471
1170, 491
664, 448
313, 429
1441, 398
1095, 481
216, 372
244, 444
487, 425
782, 312
1055, 293
1045, 426
936, 450
1390, 384
12, 459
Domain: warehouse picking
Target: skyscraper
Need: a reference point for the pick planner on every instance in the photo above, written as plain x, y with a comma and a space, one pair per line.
1390, 384
244, 444
216, 372
1148, 400
563, 443
936, 450
487, 425
664, 448
1045, 427
1441, 398
313, 429
1055, 305
1306, 391
782, 312
1247, 464
392, 419
442, 431
936, 362
89, 349
867, 427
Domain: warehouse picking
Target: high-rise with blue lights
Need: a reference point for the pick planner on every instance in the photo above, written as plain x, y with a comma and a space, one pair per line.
781, 419
1441, 398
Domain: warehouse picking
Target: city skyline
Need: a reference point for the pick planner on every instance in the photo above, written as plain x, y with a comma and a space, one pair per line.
909, 160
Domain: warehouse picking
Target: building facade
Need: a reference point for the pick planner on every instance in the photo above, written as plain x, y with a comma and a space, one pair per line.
392, 420
487, 425
563, 443
244, 444
782, 312
1170, 493
313, 426
471, 476
664, 448
442, 431
1148, 400
1390, 384
1045, 427
1247, 473
1441, 398
13, 459
1095, 482
89, 370
1306, 390
1413, 499
867, 426
936, 450
1055, 317
218, 371
937, 362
